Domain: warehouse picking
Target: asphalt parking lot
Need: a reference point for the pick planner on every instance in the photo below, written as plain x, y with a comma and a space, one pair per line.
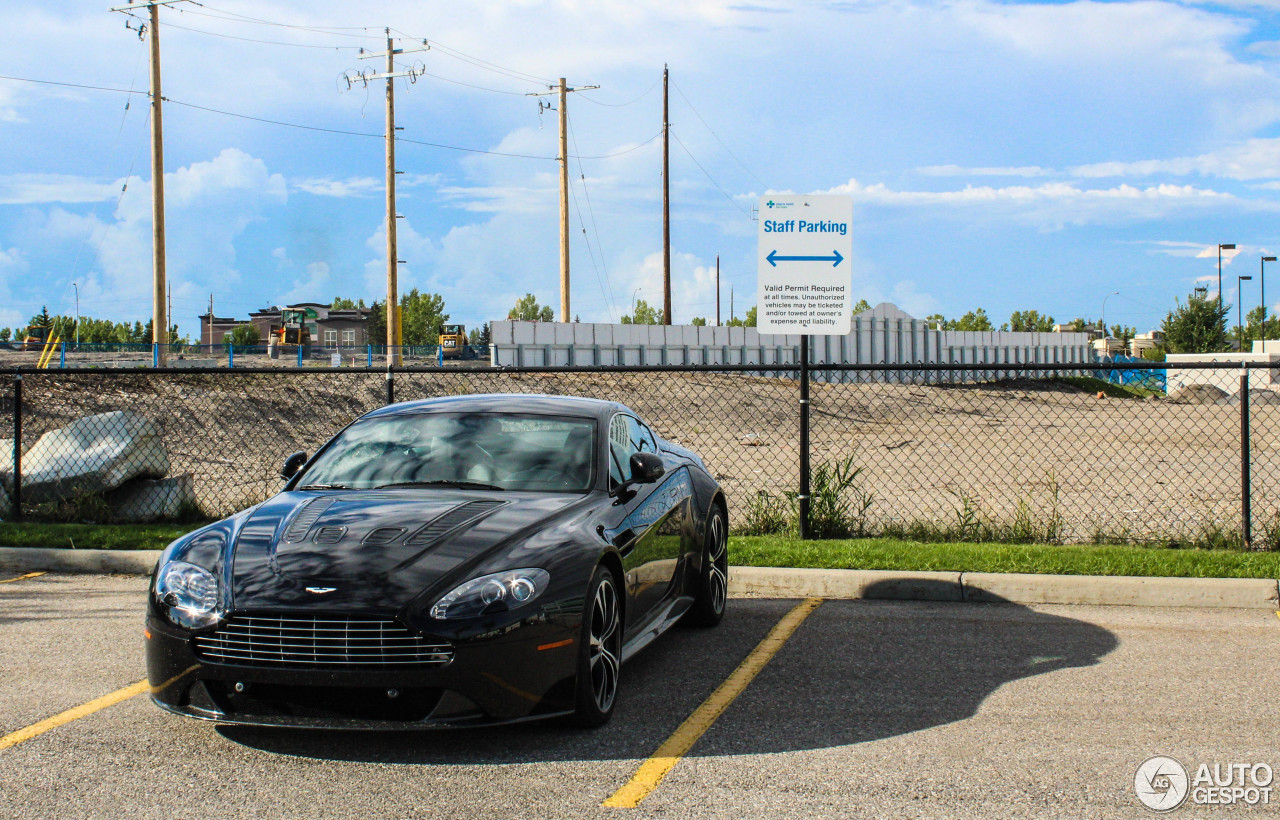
870, 709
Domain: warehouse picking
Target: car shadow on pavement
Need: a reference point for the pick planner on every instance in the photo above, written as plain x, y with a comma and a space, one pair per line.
855, 671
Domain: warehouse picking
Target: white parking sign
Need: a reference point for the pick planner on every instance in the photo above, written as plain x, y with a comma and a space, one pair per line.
803, 268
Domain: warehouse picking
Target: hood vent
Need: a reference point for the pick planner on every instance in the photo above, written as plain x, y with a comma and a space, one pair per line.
382, 536
330, 535
306, 518
453, 519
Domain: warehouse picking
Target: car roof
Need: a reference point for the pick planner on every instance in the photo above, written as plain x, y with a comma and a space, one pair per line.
506, 403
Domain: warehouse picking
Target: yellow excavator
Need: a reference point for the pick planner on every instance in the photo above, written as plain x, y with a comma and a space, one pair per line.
293, 328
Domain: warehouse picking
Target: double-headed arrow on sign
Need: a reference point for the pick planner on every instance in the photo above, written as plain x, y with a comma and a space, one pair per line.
774, 259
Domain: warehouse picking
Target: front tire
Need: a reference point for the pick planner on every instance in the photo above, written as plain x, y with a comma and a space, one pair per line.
599, 651
713, 576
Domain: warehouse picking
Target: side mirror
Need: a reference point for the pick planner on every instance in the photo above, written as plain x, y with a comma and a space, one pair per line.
292, 464
646, 468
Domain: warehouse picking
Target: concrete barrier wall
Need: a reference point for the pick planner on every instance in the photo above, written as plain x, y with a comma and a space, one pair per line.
882, 335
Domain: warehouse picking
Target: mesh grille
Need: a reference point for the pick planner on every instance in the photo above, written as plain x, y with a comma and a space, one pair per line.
299, 641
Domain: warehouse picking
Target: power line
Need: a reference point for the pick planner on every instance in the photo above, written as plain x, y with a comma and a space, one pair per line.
625, 104
234, 17
468, 85
254, 40
478, 62
717, 136
609, 301
732, 201
72, 85
322, 129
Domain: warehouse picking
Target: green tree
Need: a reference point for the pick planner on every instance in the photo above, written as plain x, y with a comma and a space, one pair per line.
1123, 333
243, 335
376, 325
747, 321
5, 334
527, 309
937, 321
480, 336
974, 320
1199, 326
342, 303
421, 315
698, 321
863, 305
1260, 326
644, 314
1029, 321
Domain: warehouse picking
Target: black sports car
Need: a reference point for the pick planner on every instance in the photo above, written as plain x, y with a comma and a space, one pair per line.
458, 561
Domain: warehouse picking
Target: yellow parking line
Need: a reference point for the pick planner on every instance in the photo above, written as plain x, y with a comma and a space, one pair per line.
653, 770
22, 577
78, 712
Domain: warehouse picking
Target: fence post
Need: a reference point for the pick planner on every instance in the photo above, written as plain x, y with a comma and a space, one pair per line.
391, 388
1246, 524
231, 355
803, 496
155, 354
370, 356
62, 358
299, 354
17, 447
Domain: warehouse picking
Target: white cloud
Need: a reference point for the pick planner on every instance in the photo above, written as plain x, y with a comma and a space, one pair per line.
1055, 204
350, 187
1253, 159
956, 171
33, 189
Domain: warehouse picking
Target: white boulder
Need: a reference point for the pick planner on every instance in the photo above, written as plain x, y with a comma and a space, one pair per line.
92, 455
147, 500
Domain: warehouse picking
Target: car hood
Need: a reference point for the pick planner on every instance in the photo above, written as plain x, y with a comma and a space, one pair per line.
374, 550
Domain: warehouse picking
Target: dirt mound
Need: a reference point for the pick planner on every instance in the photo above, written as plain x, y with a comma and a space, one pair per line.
1199, 394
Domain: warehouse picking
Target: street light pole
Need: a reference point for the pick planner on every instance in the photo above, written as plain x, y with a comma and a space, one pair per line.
1262, 283
77, 287
1221, 248
1103, 321
1239, 309
633, 303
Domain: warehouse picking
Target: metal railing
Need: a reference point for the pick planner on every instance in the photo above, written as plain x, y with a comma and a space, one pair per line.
959, 452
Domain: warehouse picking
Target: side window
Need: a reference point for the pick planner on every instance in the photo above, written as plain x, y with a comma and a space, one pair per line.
621, 447
651, 441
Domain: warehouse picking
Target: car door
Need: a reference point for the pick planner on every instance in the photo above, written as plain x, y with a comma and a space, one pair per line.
641, 525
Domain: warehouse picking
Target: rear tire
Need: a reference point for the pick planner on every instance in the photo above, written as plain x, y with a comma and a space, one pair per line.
599, 652
713, 576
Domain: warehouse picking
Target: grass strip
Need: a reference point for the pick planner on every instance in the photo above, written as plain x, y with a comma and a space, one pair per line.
92, 536
1055, 559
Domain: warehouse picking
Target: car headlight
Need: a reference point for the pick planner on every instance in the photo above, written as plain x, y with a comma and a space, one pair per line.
492, 593
187, 594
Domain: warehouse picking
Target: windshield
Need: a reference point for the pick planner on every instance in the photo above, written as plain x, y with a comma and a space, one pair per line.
493, 451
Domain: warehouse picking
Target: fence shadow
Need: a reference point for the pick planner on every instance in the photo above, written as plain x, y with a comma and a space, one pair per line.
856, 671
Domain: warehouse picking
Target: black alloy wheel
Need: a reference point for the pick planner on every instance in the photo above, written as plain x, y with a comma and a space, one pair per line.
599, 652
712, 590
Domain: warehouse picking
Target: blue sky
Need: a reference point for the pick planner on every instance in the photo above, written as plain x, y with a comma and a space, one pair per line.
999, 155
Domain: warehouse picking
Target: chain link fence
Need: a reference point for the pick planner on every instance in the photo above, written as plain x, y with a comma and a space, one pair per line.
1021, 453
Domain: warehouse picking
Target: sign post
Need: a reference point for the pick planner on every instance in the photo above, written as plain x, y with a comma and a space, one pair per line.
804, 283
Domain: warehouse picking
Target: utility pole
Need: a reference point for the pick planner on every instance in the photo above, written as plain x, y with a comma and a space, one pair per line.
159, 314
395, 337
168, 309
717, 290
731, 303
561, 90
666, 204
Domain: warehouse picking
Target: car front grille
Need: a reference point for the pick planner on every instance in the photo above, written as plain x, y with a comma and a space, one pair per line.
315, 642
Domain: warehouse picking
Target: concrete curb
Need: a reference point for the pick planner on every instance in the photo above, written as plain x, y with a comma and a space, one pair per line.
983, 587
777, 582
34, 559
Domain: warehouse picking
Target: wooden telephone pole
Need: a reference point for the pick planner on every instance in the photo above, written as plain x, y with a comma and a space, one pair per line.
561, 90
717, 290
159, 312
666, 204
395, 336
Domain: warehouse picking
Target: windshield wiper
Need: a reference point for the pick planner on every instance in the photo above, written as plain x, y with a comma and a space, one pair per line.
461, 485
324, 487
